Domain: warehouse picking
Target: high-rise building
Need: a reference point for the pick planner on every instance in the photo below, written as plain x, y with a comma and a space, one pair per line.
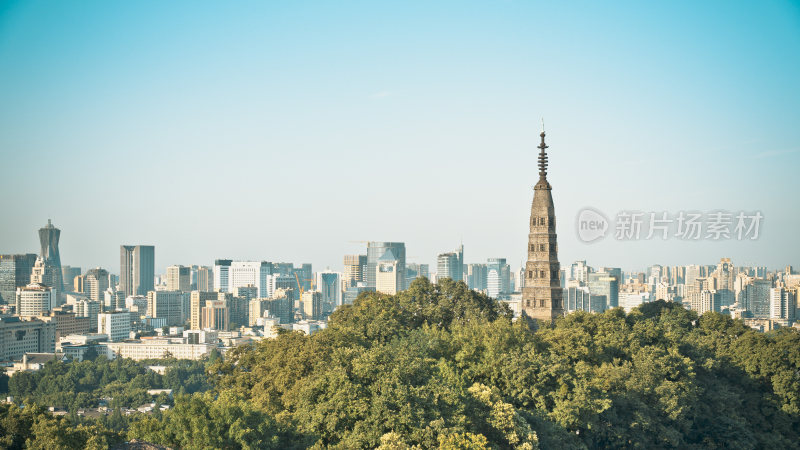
476, 276
281, 305
388, 277
15, 272
197, 300
77, 284
113, 299
257, 306
498, 278
137, 269
222, 269
312, 305
169, 305
603, 283
249, 292
87, 308
579, 271
215, 315
35, 300
330, 288
248, 273
542, 295
68, 275
283, 268
116, 325
451, 265
376, 251
305, 274
238, 309
355, 267
579, 298
710, 300
756, 298
352, 293
692, 273
179, 278
286, 282
655, 273
205, 279
414, 271
782, 305
48, 238
137, 304
95, 283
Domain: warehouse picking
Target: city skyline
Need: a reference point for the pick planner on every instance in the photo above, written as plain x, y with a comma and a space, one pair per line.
161, 267
433, 123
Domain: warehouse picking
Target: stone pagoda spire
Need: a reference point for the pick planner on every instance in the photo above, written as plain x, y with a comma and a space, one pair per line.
542, 294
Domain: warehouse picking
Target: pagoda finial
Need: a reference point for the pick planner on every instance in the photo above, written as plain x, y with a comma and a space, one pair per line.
542, 156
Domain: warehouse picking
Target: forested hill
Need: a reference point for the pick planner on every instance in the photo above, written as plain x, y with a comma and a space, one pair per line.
443, 366
440, 366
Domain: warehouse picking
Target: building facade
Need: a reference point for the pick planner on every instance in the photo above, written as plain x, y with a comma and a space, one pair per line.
168, 305
451, 265
18, 337
48, 238
330, 288
15, 272
603, 283
116, 325
376, 251
137, 269
179, 278
35, 300
498, 278
95, 283
197, 301
355, 268
388, 277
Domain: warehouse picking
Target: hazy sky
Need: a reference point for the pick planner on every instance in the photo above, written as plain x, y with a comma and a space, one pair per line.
283, 131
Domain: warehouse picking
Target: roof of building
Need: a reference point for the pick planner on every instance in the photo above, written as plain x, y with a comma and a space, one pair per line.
388, 256
39, 358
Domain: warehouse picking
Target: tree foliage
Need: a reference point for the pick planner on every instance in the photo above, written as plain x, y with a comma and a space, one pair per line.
82, 384
34, 427
441, 366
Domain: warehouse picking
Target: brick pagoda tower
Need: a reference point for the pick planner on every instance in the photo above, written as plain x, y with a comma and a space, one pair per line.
542, 294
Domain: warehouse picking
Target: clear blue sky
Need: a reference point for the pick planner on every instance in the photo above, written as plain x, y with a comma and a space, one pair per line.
284, 130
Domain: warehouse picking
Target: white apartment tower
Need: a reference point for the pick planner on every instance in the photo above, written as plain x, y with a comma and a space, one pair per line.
35, 299
116, 325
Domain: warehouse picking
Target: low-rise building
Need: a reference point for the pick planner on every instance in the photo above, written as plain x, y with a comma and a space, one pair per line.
156, 349
18, 337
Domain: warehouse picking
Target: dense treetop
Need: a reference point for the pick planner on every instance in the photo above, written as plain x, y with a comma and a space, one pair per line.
438, 364
441, 366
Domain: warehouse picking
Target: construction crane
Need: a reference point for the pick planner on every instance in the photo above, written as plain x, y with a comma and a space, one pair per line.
300, 285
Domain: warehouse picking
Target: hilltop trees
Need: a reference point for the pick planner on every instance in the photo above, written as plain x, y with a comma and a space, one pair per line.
440, 366
445, 366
